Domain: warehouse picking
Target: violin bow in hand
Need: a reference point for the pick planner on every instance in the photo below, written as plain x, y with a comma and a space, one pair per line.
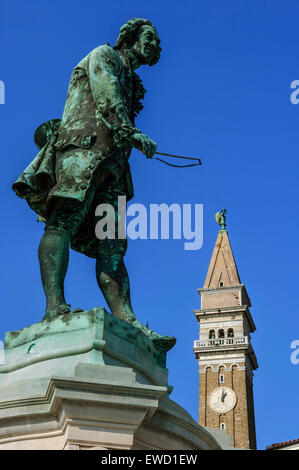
198, 160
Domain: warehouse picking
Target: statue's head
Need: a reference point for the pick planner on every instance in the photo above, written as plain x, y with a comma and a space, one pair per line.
142, 38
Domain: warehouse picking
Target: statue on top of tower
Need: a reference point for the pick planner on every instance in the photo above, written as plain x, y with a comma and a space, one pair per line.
221, 218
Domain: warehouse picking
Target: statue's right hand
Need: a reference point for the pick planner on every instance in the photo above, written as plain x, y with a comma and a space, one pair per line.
143, 143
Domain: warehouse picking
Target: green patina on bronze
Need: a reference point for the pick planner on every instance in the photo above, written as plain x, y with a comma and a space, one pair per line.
221, 218
98, 330
83, 161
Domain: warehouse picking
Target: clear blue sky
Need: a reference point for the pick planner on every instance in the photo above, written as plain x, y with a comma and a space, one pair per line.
220, 91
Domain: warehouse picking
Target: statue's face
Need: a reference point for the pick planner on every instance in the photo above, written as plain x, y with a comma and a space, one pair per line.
147, 44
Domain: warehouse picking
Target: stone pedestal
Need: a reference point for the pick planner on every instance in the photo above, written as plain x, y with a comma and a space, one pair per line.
90, 381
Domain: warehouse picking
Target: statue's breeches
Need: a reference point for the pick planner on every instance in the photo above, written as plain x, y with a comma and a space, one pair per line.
79, 221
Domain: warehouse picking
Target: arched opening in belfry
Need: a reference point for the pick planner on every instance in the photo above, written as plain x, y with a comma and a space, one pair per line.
212, 334
230, 333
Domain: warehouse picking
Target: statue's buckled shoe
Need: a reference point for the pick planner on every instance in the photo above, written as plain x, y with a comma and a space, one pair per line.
60, 310
77, 310
163, 343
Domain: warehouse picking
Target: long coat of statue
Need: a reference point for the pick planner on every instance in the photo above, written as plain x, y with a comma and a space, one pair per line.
103, 99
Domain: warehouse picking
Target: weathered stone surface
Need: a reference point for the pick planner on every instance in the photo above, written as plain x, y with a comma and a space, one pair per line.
57, 346
62, 413
90, 381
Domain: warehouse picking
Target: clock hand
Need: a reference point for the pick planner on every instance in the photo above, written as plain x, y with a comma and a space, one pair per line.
223, 395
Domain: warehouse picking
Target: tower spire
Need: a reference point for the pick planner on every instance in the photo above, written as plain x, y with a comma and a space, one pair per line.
223, 270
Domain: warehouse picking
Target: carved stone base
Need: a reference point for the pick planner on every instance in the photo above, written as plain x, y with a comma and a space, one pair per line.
90, 381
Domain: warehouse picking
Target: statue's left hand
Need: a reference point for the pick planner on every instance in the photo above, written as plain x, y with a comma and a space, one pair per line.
143, 143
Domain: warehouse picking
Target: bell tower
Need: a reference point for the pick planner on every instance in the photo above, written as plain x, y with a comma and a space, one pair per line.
225, 356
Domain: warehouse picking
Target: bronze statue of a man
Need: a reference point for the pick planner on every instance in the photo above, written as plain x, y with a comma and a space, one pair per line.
83, 161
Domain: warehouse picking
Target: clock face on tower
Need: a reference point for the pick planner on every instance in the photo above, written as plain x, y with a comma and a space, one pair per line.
222, 400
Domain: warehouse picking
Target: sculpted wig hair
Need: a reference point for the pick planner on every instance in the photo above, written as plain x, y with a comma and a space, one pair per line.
129, 34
